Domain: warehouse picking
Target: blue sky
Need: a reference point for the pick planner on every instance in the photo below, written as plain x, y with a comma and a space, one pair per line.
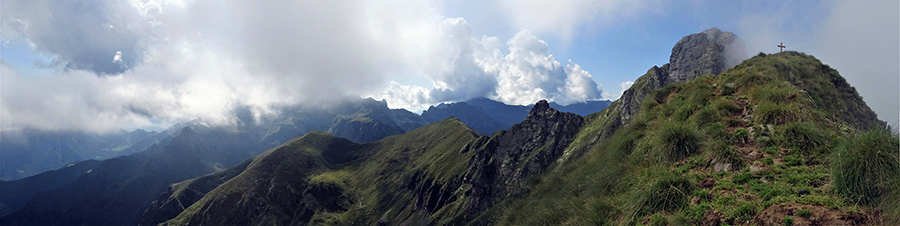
192, 59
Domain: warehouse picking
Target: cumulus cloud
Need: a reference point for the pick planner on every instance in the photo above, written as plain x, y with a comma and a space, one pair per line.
474, 68
81, 33
174, 61
202, 59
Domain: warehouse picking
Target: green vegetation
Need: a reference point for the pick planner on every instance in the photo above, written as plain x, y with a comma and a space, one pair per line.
658, 220
685, 158
804, 213
649, 169
866, 168
804, 136
678, 141
787, 221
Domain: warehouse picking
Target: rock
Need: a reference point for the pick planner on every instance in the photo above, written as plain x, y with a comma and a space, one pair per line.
758, 166
719, 167
709, 52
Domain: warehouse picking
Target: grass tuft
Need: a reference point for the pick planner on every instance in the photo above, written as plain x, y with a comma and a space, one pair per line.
778, 114
804, 136
866, 168
678, 141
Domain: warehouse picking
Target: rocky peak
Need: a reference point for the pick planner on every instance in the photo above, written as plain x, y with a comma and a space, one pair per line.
541, 105
709, 52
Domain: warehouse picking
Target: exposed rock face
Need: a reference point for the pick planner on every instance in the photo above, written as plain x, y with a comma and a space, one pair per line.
709, 52
528, 148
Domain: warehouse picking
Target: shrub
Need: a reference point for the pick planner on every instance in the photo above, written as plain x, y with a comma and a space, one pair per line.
658, 220
787, 221
804, 213
769, 113
866, 165
804, 136
678, 141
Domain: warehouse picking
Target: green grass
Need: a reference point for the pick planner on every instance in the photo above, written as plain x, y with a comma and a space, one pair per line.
805, 136
866, 168
772, 113
804, 213
677, 141
658, 220
787, 221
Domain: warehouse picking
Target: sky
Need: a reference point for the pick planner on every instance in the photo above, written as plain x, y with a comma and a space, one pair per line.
102, 65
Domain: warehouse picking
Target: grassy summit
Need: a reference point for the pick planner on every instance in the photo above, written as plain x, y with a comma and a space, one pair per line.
778, 139
774, 135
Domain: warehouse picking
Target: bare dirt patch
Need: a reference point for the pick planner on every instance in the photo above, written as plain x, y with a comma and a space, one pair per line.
820, 215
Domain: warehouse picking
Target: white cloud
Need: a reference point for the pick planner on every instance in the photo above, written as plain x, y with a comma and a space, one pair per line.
184, 60
476, 68
118, 57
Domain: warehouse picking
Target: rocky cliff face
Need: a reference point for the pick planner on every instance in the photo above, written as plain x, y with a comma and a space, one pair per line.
509, 158
709, 52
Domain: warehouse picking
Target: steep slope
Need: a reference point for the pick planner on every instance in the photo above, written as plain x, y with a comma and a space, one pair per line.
758, 144
27, 152
308, 168
443, 172
118, 190
709, 52
755, 145
14, 194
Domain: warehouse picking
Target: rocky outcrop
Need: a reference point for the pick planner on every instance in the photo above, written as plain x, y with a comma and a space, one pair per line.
709, 52
510, 157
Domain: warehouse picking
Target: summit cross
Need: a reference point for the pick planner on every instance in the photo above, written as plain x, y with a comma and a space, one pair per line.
781, 47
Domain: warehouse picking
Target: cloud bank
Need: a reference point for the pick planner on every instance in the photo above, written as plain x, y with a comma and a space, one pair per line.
472, 68
150, 64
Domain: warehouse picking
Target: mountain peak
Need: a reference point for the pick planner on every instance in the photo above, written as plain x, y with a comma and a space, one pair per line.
541, 105
187, 130
711, 51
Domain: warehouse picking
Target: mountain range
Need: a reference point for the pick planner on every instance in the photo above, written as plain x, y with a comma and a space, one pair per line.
706, 139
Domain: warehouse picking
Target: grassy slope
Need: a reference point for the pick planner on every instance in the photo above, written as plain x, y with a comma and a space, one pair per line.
370, 186
639, 172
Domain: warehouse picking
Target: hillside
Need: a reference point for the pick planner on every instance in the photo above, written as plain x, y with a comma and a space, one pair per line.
754, 145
